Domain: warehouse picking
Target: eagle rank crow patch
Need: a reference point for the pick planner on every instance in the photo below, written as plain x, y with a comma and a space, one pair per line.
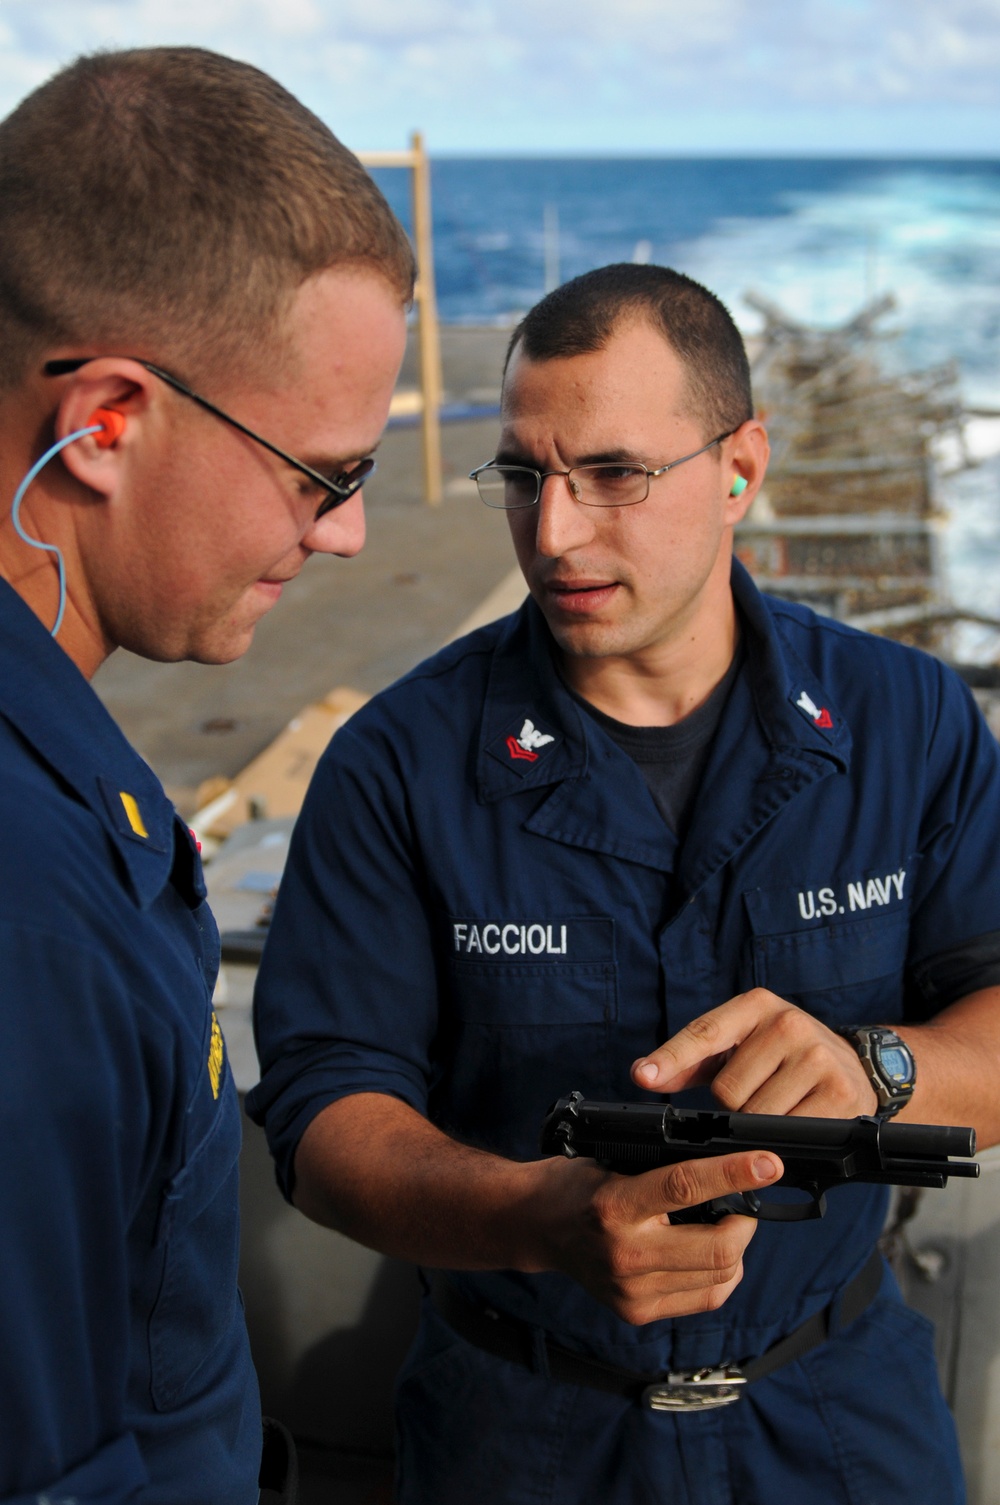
525, 745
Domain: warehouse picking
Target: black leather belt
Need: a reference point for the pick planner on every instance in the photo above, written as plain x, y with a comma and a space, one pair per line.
683, 1390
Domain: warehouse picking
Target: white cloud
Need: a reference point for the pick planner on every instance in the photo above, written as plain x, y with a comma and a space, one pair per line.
562, 72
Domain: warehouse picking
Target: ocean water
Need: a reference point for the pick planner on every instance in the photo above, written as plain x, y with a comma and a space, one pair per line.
819, 237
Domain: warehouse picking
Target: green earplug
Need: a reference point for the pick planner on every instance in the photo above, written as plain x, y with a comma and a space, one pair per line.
738, 487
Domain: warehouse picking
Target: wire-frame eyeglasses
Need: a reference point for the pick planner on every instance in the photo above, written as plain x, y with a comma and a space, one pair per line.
338, 489
615, 483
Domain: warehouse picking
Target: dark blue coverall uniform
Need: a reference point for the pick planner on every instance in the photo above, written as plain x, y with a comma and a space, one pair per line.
477, 931
125, 1370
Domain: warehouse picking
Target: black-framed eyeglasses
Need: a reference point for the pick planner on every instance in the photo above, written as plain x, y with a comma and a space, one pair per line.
615, 483
338, 489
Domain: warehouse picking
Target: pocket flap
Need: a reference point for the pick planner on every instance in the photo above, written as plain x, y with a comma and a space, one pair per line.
832, 956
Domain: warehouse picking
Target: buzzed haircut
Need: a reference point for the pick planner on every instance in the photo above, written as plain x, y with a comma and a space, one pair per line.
168, 202
580, 317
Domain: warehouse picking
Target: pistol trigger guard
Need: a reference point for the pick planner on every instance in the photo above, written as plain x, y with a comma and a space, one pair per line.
793, 1212
746, 1204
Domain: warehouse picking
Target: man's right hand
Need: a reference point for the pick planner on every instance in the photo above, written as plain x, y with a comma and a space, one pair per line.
375, 1169
613, 1233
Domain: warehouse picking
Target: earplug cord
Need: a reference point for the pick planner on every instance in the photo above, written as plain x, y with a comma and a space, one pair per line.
36, 543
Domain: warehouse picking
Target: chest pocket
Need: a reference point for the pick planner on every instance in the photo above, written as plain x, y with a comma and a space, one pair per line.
514, 974
844, 964
197, 1229
531, 1013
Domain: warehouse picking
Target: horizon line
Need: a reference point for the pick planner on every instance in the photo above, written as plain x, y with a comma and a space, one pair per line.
706, 155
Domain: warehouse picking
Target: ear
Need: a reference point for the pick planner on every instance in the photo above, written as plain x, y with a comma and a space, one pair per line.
744, 457
116, 393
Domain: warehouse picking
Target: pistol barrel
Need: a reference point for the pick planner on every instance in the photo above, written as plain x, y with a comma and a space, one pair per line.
902, 1140
927, 1139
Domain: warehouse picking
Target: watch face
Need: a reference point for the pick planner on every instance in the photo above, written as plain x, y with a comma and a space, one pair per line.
895, 1063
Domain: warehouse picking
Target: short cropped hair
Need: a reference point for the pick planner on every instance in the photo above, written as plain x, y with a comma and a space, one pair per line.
581, 316
170, 201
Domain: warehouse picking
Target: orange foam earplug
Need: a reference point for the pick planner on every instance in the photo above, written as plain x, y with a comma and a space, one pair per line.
112, 426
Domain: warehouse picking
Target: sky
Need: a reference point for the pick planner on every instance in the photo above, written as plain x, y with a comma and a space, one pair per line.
550, 77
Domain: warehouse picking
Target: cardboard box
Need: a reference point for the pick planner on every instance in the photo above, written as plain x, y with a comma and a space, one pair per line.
275, 782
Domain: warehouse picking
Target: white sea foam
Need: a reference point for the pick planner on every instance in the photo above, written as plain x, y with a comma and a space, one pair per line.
931, 240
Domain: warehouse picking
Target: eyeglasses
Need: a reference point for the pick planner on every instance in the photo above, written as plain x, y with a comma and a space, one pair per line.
610, 484
338, 489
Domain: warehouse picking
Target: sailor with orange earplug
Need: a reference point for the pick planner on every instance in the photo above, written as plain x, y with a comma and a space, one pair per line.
162, 510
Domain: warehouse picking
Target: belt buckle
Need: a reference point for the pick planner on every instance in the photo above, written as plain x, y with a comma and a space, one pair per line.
696, 1389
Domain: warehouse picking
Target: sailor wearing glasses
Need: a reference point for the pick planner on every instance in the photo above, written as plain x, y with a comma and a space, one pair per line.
168, 217
653, 834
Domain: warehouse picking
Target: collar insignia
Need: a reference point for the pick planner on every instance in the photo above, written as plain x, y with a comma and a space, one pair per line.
818, 715
134, 814
525, 746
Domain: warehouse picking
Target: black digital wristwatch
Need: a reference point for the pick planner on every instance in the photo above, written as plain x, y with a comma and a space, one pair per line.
888, 1064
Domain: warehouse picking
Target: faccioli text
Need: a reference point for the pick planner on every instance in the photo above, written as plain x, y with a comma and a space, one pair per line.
509, 938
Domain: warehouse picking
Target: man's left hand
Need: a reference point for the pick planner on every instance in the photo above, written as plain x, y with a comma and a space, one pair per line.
761, 1054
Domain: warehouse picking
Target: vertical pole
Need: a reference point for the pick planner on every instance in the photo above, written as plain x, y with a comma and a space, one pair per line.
430, 343
550, 240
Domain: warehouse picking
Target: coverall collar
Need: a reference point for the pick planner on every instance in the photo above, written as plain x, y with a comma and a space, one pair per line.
532, 731
780, 732
53, 708
793, 708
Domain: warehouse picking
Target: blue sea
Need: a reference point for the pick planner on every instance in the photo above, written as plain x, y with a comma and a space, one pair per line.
819, 237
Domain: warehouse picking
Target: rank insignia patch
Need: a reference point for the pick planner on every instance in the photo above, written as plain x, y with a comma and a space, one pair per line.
525, 746
818, 715
133, 813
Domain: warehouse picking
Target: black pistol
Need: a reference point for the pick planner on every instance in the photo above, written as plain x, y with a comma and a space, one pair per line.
817, 1153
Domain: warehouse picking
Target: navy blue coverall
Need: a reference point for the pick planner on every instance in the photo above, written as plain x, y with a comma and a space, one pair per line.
476, 921
125, 1370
